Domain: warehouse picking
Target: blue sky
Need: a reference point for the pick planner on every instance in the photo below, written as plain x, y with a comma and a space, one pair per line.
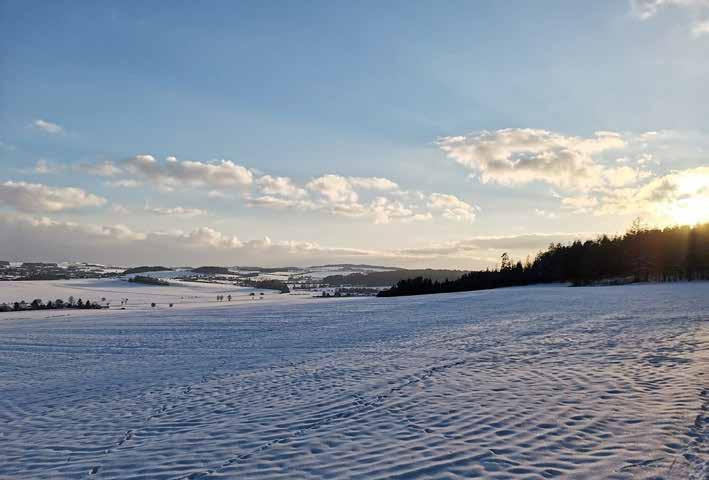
408, 92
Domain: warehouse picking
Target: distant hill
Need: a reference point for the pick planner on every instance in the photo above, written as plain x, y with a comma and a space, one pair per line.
270, 269
381, 279
144, 269
210, 270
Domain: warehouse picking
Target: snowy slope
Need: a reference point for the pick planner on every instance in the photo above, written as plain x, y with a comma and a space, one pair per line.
180, 294
540, 382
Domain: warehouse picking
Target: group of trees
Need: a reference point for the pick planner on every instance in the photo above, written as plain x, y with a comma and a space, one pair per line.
145, 269
640, 255
388, 277
149, 281
279, 285
38, 304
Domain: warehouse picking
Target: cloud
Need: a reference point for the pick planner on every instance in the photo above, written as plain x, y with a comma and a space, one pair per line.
333, 188
580, 204
373, 183
700, 28
48, 127
126, 183
282, 186
279, 203
516, 156
678, 196
384, 210
34, 197
205, 236
176, 211
491, 247
102, 169
345, 196
622, 176
338, 195
173, 173
545, 214
217, 194
339, 189
381, 210
698, 9
119, 209
452, 207
28, 238
43, 167
645, 9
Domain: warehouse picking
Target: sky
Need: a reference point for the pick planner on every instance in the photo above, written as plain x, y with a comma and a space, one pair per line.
412, 133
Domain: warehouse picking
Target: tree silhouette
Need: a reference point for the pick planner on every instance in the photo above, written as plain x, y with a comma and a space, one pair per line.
640, 255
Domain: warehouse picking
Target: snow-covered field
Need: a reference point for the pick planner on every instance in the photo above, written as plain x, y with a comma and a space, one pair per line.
140, 297
537, 382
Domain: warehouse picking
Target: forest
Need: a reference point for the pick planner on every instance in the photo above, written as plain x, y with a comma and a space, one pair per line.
640, 255
389, 277
149, 281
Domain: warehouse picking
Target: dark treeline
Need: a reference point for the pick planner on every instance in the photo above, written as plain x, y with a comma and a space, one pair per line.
640, 255
149, 281
145, 269
279, 285
38, 304
389, 277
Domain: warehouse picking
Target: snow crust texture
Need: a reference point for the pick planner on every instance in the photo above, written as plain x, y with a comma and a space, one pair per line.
523, 383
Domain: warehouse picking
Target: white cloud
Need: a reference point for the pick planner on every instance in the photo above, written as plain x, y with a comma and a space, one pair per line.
334, 188
681, 196
622, 176
491, 247
518, 156
176, 211
347, 196
452, 207
126, 183
270, 201
34, 197
545, 213
282, 186
338, 196
339, 189
677, 197
119, 209
645, 9
206, 236
217, 194
28, 238
384, 210
48, 127
373, 183
173, 172
102, 169
43, 167
700, 28
698, 9
580, 204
